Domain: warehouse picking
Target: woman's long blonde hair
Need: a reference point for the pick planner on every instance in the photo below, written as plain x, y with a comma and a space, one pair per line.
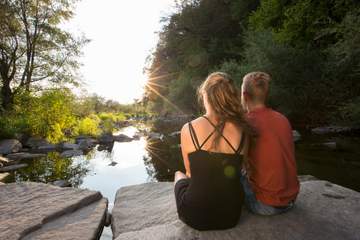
225, 100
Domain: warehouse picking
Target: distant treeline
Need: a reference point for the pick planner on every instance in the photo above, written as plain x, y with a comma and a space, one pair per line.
310, 48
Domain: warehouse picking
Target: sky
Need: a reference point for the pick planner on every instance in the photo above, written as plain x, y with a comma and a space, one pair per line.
122, 34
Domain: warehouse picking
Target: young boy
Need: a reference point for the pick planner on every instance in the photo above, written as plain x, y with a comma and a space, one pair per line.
270, 184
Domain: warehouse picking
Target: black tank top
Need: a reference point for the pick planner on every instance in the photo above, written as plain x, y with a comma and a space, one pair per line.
214, 196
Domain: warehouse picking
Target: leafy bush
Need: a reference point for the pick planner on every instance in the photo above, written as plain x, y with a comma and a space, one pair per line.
47, 115
113, 117
88, 126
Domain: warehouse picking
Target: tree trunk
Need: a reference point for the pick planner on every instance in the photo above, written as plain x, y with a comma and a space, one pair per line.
7, 96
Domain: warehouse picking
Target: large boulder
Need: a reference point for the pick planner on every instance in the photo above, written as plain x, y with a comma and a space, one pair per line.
9, 146
323, 211
42, 211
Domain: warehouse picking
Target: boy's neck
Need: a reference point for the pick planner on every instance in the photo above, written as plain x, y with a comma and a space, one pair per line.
255, 106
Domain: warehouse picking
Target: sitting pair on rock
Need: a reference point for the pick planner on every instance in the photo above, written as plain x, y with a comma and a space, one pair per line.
239, 152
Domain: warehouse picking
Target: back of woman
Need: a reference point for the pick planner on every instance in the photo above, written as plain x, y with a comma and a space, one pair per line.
210, 196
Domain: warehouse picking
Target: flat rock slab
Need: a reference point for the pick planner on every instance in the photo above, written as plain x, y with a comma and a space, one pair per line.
13, 167
24, 156
323, 211
42, 211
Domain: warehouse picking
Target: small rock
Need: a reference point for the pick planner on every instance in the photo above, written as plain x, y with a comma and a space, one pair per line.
86, 143
68, 146
106, 139
3, 161
71, 153
112, 163
334, 129
122, 138
325, 145
25, 150
175, 134
24, 156
136, 136
9, 146
155, 136
107, 147
331, 145
46, 148
3, 176
13, 167
35, 142
61, 183
296, 135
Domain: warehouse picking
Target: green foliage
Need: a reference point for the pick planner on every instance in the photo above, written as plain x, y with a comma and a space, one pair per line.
302, 23
48, 115
270, 14
52, 114
113, 117
349, 112
88, 126
294, 74
35, 50
311, 49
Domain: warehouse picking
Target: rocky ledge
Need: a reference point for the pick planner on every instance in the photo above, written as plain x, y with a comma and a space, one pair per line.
323, 211
41, 211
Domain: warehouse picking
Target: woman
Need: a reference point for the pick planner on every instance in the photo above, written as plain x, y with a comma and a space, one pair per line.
210, 196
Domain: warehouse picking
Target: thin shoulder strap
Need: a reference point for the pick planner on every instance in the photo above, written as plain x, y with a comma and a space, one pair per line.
217, 129
208, 137
241, 145
194, 137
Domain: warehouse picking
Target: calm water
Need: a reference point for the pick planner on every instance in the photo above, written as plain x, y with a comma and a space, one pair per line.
144, 160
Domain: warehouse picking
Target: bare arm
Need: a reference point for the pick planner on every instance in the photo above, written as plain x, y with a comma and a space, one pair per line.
185, 137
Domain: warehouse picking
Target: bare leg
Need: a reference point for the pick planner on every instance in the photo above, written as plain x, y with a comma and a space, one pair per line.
179, 175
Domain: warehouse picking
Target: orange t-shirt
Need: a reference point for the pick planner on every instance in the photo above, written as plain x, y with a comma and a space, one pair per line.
272, 174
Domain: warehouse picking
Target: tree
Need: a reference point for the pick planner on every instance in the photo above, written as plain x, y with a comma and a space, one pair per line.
195, 39
34, 50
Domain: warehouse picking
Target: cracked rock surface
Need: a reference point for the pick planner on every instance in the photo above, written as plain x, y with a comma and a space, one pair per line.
323, 211
42, 211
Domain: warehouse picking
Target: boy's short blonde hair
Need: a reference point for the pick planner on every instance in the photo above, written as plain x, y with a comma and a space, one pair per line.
256, 86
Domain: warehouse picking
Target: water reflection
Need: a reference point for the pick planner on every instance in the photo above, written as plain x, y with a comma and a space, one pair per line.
108, 171
163, 159
51, 168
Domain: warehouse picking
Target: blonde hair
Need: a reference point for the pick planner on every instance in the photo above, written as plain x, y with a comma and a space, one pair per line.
225, 99
256, 86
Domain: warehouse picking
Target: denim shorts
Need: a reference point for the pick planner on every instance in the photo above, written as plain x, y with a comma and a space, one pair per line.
258, 207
